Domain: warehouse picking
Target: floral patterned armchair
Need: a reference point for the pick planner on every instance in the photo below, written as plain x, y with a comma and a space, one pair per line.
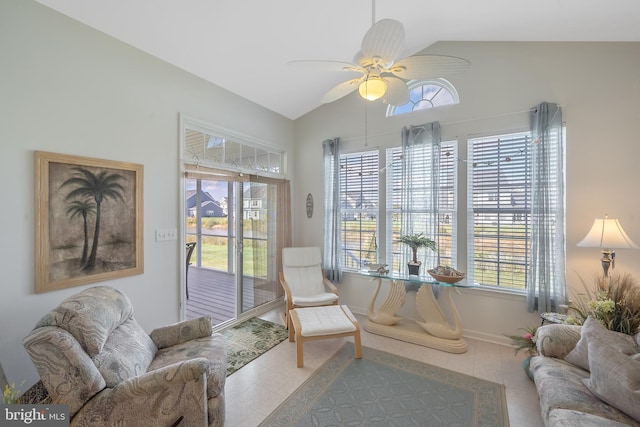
92, 355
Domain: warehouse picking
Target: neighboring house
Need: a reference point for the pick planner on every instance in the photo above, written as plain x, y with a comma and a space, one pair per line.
252, 204
357, 200
513, 195
209, 207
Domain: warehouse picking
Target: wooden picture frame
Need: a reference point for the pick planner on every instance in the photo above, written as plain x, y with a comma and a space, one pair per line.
72, 195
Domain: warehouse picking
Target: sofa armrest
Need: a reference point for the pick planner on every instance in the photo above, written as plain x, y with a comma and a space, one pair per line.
180, 332
168, 379
160, 398
67, 372
557, 340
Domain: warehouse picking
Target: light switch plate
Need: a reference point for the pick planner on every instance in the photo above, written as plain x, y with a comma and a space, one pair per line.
166, 234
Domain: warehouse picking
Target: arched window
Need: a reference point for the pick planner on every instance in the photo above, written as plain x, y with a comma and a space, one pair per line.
426, 94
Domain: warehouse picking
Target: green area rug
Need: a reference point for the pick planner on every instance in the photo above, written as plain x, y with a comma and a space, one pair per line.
249, 340
244, 342
382, 389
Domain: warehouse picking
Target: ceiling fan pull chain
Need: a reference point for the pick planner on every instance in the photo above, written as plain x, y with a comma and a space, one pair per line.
366, 125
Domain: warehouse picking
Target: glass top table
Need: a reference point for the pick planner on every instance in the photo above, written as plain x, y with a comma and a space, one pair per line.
432, 327
417, 280
552, 317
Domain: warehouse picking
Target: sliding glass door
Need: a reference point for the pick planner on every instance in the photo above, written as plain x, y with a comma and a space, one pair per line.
236, 212
259, 270
233, 268
211, 272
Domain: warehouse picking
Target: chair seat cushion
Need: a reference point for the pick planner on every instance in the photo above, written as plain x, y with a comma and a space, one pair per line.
315, 300
211, 348
327, 320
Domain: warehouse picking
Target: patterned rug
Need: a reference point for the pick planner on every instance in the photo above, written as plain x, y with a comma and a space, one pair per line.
245, 342
382, 389
249, 340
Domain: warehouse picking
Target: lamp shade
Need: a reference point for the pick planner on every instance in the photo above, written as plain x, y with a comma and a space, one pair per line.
372, 88
607, 233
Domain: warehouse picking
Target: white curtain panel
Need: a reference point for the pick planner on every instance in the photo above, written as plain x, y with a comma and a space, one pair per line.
419, 192
546, 285
332, 243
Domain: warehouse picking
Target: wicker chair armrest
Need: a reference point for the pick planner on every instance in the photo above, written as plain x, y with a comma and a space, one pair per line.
329, 285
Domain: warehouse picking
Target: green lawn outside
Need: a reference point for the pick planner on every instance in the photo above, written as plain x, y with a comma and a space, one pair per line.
214, 255
214, 250
511, 276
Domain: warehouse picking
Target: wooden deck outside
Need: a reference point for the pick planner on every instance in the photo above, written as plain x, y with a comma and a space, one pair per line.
213, 293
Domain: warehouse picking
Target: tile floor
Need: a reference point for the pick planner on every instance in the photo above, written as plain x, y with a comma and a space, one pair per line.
254, 391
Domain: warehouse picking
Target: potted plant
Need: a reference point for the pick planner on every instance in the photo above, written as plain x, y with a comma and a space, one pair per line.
614, 303
416, 241
528, 343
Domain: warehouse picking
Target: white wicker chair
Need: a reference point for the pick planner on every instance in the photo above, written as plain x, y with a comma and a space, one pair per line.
303, 280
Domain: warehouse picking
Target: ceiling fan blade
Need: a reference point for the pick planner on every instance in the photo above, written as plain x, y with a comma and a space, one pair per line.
429, 66
343, 89
397, 91
325, 65
383, 40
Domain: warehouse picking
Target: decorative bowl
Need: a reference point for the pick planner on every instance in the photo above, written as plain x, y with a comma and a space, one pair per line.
447, 279
375, 267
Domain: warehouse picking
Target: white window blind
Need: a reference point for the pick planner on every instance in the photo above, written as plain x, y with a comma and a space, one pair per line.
499, 198
448, 195
359, 201
445, 211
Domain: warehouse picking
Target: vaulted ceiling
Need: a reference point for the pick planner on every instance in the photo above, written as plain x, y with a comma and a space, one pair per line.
244, 45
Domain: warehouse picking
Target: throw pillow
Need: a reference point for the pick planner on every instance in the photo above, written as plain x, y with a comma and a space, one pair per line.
591, 328
615, 377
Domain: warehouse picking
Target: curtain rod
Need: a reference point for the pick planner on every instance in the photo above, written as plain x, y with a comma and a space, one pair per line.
358, 138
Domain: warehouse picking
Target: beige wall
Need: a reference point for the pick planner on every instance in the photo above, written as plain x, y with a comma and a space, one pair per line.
598, 86
69, 89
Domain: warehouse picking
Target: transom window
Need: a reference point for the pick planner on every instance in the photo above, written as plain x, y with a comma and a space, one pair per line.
218, 150
426, 94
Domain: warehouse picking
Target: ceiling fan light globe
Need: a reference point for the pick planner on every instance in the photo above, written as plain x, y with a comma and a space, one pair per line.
372, 88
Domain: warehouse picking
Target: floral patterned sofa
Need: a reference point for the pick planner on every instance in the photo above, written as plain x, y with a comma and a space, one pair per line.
92, 355
587, 376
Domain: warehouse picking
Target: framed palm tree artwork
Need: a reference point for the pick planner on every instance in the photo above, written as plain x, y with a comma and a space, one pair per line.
89, 220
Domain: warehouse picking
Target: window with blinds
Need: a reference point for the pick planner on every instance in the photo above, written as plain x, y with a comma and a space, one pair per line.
499, 200
445, 209
359, 202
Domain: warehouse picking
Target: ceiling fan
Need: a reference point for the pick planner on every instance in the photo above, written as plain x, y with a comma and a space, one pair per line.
383, 74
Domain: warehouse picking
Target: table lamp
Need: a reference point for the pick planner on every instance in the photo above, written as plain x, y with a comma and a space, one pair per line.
607, 233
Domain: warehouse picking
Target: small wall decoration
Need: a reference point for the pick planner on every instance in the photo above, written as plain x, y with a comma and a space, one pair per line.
309, 205
89, 220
